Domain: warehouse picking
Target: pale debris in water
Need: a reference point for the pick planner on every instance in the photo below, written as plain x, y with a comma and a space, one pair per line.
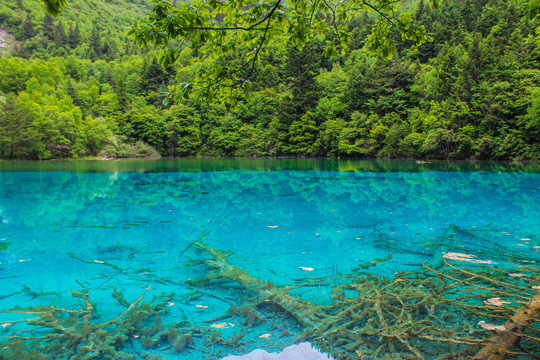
516, 275
222, 325
306, 268
491, 327
465, 257
272, 226
265, 336
452, 254
201, 306
536, 287
496, 301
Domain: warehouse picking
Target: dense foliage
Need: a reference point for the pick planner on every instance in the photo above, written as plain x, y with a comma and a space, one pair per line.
74, 86
251, 27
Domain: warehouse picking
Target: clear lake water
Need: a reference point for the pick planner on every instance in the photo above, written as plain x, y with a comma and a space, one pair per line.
63, 224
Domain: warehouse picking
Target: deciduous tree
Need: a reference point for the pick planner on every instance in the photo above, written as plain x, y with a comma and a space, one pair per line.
217, 28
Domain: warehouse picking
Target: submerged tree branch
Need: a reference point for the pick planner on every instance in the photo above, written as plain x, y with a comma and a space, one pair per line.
500, 343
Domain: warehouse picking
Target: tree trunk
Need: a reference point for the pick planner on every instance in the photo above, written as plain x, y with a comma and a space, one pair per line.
501, 342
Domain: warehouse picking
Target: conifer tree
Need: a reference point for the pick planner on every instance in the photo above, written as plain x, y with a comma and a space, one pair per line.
74, 36
95, 43
474, 67
59, 35
153, 76
301, 69
28, 28
447, 75
48, 27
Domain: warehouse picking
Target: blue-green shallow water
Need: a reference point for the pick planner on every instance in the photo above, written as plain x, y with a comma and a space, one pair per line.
277, 216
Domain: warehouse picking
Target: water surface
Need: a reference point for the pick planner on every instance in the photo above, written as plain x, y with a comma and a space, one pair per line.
62, 225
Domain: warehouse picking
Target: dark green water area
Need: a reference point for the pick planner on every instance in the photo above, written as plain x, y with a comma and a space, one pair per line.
204, 258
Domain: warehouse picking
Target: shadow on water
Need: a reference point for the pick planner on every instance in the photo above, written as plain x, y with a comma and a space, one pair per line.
262, 164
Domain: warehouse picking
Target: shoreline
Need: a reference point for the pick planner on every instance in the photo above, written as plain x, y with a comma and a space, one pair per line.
417, 160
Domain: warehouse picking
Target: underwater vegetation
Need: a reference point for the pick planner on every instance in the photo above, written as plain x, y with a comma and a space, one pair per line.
416, 315
73, 333
457, 306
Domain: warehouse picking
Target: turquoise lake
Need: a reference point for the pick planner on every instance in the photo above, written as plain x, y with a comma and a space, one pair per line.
131, 224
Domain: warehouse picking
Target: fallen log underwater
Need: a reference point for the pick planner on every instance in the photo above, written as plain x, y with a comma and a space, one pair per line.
508, 335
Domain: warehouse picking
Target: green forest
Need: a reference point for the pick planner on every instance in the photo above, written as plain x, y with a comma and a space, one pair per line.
75, 86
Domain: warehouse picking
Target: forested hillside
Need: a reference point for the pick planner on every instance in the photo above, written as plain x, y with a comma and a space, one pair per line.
75, 86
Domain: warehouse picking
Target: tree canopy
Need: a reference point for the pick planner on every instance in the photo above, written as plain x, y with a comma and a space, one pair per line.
218, 28
75, 86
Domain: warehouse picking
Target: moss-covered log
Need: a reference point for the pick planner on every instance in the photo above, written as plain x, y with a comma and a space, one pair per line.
306, 313
500, 343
